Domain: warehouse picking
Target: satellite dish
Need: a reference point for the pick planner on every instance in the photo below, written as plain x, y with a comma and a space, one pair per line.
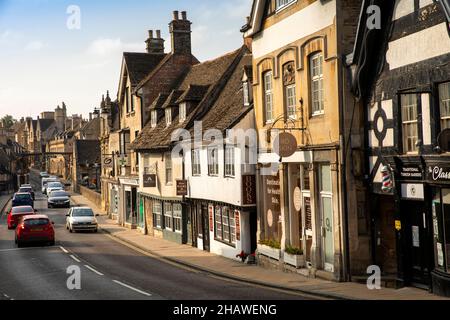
444, 140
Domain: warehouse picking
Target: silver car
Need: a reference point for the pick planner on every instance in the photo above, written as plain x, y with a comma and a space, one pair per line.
58, 199
81, 219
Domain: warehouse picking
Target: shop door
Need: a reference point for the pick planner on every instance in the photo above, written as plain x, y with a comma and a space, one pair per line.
141, 223
205, 225
417, 243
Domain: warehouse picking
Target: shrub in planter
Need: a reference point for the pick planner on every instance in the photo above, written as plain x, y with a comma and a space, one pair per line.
271, 243
293, 250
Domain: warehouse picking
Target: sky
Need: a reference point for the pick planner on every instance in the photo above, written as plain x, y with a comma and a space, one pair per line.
56, 50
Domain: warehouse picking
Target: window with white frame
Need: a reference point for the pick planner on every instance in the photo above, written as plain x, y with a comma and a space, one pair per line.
177, 216
317, 95
444, 104
168, 164
213, 161
182, 112
229, 161
156, 209
268, 96
290, 100
168, 116
154, 118
196, 167
410, 128
246, 91
280, 4
168, 216
225, 224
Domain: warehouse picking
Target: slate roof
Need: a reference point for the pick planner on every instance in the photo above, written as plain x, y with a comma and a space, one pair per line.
87, 151
212, 74
172, 99
140, 64
193, 93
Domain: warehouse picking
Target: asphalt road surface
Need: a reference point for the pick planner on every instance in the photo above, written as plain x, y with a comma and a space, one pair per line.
109, 270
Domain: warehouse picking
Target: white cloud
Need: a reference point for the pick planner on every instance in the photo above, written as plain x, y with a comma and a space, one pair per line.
107, 46
34, 46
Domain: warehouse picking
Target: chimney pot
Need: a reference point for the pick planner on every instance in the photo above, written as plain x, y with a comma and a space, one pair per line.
183, 15
175, 15
150, 34
158, 34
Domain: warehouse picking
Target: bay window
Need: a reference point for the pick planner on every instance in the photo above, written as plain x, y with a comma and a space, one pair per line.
156, 209
225, 225
177, 216
168, 216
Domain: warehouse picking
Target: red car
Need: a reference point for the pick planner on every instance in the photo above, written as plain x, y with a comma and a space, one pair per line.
16, 213
35, 228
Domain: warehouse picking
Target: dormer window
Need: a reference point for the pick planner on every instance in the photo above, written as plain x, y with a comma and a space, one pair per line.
182, 113
246, 91
168, 116
154, 118
281, 4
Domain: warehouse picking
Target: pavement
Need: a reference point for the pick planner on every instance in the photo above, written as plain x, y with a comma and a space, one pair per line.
193, 258
4, 201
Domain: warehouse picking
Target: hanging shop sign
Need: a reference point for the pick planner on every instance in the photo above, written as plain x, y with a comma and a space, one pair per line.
107, 162
285, 145
438, 173
182, 188
149, 180
248, 190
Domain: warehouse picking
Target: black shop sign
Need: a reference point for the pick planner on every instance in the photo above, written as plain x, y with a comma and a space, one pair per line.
438, 173
410, 172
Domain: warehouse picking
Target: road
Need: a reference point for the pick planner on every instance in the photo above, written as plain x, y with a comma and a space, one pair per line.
109, 271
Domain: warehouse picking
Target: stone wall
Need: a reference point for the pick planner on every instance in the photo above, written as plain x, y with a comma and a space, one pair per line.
91, 195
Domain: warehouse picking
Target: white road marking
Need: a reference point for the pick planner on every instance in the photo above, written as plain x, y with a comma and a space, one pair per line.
64, 250
134, 289
93, 270
75, 258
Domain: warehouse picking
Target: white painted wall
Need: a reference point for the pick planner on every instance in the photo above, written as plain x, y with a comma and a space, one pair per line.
426, 119
313, 18
426, 44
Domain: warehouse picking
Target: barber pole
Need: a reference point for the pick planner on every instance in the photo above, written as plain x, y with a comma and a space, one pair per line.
387, 180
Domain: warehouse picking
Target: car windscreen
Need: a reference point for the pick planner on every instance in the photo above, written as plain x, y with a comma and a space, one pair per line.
25, 189
36, 222
22, 196
83, 213
19, 210
54, 185
57, 194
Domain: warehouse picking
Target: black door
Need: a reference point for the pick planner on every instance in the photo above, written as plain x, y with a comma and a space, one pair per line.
205, 225
417, 243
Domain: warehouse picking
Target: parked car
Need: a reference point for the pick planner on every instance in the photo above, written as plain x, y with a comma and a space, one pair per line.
81, 219
45, 181
35, 228
22, 199
16, 213
25, 189
52, 186
58, 198
44, 174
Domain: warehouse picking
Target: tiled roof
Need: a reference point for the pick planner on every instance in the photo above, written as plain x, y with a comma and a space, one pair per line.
193, 93
172, 99
159, 101
44, 124
140, 64
211, 73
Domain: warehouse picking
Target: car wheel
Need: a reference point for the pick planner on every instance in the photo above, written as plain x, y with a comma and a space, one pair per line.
70, 229
15, 239
96, 230
19, 244
51, 243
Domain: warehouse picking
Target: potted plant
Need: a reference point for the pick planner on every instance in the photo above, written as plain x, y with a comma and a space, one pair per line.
294, 257
270, 248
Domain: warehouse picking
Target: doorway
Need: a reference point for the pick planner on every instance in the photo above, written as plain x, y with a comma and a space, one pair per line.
205, 228
416, 243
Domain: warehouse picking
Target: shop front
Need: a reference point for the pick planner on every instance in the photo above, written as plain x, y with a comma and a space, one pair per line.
422, 221
130, 204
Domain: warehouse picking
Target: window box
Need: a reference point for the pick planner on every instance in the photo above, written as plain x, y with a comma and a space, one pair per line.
295, 260
269, 251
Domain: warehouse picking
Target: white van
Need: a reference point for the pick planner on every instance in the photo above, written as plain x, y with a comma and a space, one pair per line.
45, 181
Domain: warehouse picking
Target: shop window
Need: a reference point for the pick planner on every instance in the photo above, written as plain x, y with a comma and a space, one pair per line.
268, 96
156, 209
177, 217
225, 224
168, 216
196, 167
316, 74
441, 228
410, 128
229, 161
444, 104
199, 220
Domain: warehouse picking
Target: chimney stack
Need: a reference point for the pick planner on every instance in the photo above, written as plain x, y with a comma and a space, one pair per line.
155, 45
180, 31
